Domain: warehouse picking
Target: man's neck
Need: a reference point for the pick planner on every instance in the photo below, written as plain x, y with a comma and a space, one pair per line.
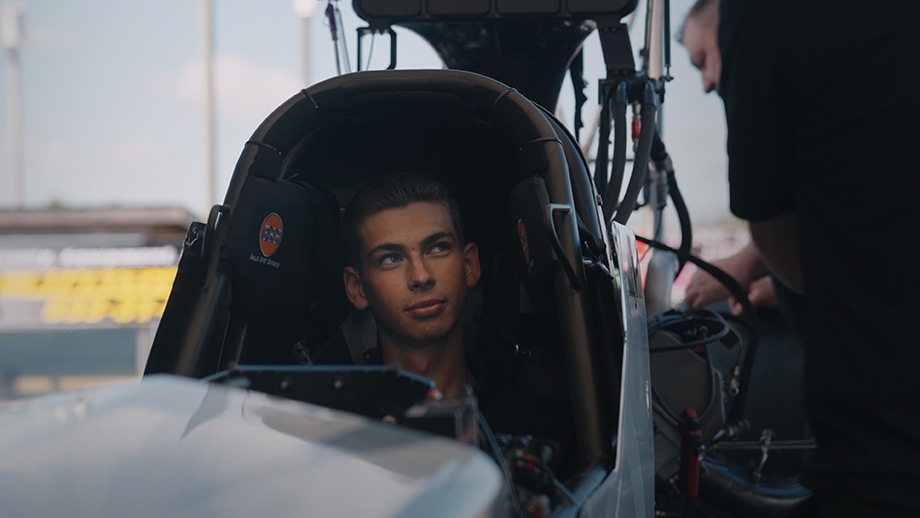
444, 363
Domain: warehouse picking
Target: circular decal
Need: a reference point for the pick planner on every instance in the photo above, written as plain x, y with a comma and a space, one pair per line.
270, 234
522, 235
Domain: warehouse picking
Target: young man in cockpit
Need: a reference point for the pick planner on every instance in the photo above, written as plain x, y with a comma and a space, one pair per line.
409, 265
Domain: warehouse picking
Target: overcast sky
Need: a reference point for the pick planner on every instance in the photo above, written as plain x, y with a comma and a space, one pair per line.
113, 103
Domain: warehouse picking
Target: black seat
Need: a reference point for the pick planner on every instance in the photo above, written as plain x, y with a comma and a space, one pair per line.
284, 260
478, 137
483, 141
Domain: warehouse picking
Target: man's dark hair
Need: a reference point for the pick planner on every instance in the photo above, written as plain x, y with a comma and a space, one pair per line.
392, 191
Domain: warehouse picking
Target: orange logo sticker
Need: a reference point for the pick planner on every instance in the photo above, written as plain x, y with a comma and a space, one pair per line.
522, 235
270, 234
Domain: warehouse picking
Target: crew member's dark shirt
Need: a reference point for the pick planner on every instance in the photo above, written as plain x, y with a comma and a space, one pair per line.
822, 119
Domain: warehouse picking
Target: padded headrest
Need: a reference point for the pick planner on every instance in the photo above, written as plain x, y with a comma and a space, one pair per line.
284, 257
529, 202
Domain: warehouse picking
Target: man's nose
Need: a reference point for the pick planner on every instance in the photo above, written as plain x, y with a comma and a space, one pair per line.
420, 276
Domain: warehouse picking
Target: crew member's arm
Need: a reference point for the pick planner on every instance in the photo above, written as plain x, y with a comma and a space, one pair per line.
745, 266
777, 239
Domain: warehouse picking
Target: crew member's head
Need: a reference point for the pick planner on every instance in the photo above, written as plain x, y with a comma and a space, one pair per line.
408, 262
699, 35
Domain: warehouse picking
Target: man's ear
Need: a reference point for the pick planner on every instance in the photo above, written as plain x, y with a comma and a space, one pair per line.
353, 287
471, 258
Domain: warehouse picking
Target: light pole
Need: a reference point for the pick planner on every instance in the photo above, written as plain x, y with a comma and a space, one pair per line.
11, 25
303, 9
210, 159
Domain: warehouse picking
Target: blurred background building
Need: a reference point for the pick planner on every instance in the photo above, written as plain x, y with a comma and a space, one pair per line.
81, 293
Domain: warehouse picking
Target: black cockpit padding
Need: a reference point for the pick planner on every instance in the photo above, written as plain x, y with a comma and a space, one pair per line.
529, 205
284, 258
527, 350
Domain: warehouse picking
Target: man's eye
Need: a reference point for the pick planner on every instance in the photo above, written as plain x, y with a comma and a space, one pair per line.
389, 259
439, 248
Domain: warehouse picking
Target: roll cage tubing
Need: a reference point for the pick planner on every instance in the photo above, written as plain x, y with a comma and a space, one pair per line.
540, 152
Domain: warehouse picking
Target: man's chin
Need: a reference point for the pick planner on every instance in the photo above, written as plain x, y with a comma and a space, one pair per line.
428, 337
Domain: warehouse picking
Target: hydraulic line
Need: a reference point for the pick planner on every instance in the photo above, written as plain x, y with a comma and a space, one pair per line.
663, 163
641, 159
611, 186
619, 148
736, 410
602, 158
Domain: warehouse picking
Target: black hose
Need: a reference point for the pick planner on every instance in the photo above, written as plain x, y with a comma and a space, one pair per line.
603, 142
619, 151
641, 159
577, 76
659, 155
736, 409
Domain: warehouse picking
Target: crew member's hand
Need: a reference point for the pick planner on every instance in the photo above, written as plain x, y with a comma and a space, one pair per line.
704, 289
760, 293
746, 267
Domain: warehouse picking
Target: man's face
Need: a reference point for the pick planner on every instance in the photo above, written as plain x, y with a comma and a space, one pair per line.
415, 274
701, 41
